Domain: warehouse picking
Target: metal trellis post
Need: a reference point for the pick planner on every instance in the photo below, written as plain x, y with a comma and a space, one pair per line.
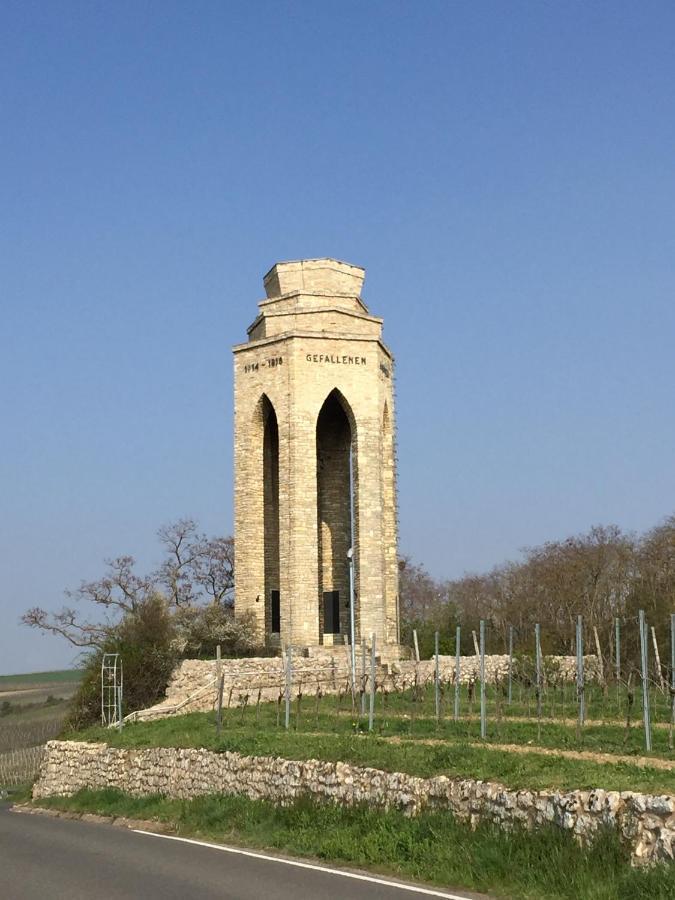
644, 653
458, 672
483, 718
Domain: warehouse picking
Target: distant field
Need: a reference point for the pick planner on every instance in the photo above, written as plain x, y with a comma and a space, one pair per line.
33, 708
30, 679
36, 687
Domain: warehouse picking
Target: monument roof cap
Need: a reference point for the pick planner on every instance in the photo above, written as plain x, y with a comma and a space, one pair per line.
324, 275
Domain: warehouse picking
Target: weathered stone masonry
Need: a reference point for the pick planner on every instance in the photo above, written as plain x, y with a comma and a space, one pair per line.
647, 822
315, 462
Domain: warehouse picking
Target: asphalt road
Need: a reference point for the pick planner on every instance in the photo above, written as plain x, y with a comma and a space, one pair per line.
45, 858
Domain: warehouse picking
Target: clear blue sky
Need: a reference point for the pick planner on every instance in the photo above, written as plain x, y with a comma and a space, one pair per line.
504, 171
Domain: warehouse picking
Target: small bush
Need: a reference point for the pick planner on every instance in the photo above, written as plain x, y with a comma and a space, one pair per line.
200, 629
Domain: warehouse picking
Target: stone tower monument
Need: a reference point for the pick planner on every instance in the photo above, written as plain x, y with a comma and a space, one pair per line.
314, 462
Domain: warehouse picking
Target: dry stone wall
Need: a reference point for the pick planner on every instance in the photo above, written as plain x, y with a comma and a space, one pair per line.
646, 822
193, 686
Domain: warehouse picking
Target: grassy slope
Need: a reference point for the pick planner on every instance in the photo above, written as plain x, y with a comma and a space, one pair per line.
454, 758
433, 847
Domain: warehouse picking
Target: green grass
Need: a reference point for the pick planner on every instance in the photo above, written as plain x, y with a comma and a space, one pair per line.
455, 757
433, 847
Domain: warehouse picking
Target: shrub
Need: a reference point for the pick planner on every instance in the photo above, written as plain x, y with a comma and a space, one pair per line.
145, 640
200, 629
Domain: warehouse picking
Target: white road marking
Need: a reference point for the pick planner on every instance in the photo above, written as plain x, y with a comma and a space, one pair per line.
429, 892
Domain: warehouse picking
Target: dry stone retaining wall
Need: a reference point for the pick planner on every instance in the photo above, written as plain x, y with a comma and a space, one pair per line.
647, 822
193, 687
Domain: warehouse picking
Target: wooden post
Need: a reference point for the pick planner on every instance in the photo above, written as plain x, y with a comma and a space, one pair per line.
417, 646
657, 658
219, 718
475, 643
601, 667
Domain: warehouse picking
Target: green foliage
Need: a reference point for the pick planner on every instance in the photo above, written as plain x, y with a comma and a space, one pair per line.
200, 629
145, 639
545, 864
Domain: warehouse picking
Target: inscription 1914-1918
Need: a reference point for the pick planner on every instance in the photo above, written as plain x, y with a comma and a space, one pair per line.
270, 363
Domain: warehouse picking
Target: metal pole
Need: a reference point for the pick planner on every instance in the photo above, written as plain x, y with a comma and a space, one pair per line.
644, 651
289, 681
617, 648
120, 722
458, 666
672, 678
371, 714
483, 722
537, 650
352, 627
363, 676
437, 695
510, 662
580, 670
221, 687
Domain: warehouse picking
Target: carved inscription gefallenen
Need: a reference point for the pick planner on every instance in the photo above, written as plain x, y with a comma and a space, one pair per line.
336, 359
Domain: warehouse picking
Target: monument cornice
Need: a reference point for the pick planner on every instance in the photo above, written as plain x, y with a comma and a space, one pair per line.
309, 311
312, 335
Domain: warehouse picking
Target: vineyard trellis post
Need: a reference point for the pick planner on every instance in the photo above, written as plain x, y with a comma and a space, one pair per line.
483, 718
371, 714
672, 680
537, 651
289, 683
617, 656
657, 661
644, 654
458, 668
510, 662
580, 671
363, 676
437, 686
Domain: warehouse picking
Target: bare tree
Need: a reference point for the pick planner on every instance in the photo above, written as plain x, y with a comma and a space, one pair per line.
196, 570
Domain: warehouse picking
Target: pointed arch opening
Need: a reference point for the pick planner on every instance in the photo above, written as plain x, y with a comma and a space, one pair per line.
336, 513
271, 517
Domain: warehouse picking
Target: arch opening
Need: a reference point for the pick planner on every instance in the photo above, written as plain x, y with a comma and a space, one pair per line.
271, 518
336, 477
